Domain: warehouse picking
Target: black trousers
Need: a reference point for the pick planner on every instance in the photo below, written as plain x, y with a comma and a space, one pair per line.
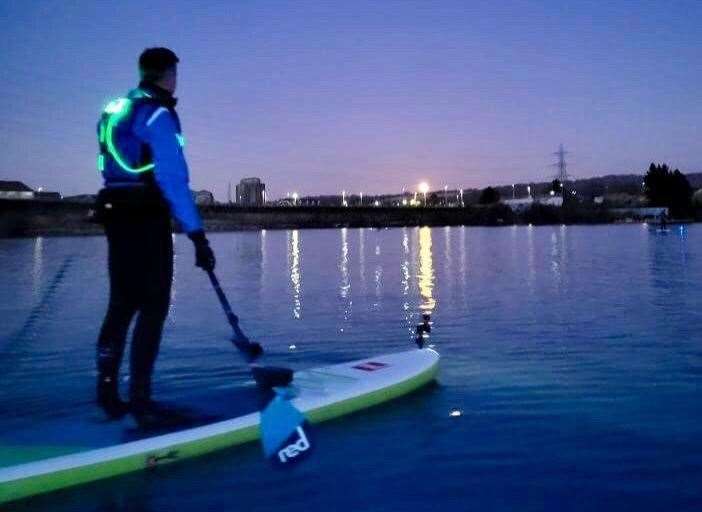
141, 270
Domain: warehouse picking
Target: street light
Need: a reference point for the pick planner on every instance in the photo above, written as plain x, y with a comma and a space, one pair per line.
445, 196
294, 197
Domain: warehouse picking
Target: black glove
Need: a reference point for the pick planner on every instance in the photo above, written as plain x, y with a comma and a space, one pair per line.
204, 257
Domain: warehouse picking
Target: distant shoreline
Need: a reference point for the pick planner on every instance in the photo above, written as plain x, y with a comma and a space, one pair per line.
27, 218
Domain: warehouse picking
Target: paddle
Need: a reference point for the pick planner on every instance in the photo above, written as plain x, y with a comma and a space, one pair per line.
283, 434
282, 425
265, 376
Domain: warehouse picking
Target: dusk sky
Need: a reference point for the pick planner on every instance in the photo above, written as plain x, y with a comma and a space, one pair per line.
320, 96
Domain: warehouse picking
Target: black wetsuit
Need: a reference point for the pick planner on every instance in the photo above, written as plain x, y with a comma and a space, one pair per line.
140, 246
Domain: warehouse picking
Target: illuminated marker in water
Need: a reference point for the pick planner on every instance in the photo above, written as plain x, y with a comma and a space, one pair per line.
292, 347
455, 413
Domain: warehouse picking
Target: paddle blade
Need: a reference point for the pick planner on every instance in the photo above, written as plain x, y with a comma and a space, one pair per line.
284, 433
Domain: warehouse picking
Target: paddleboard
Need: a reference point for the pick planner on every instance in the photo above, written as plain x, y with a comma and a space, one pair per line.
320, 394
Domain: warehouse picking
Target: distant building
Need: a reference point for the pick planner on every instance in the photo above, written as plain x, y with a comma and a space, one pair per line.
650, 213
18, 190
251, 192
203, 197
624, 200
523, 203
553, 200
396, 199
15, 190
518, 205
697, 198
81, 198
40, 195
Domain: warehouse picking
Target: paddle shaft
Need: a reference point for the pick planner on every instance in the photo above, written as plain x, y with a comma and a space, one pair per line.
233, 319
265, 376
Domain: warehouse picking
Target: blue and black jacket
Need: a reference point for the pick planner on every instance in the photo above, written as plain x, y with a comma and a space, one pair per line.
141, 144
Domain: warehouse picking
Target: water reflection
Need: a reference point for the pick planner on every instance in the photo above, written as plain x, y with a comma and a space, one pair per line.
531, 274
514, 233
448, 260
425, 277
37, 265
559, 257
405, 280
378, 273
295, 274
362, 257
555, 263
464, 265
682, 235
263, 256
668, 263
345, 285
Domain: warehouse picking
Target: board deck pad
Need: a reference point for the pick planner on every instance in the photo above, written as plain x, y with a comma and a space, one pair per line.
81, 451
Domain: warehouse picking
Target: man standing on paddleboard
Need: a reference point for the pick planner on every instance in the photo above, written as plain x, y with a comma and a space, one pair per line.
146, 182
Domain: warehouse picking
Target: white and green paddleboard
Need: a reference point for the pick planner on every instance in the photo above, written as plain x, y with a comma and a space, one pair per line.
320, 394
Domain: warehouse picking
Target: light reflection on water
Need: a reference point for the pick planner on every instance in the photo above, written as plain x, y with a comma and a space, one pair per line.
362, 257
425, 277
464, 265
531, 271
555, 255
449, 260
37, 265
264, 254
405, 281
378, 276
294, 254
416, 268
345, 280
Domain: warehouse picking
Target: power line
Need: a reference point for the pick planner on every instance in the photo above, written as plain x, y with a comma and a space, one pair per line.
562, 167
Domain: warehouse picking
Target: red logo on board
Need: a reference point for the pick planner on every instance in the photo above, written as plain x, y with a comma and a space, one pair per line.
370, 366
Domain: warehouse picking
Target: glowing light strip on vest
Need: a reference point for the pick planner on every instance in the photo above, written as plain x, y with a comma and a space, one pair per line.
117, 109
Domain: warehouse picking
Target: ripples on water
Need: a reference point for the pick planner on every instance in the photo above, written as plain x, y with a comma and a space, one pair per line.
573, 353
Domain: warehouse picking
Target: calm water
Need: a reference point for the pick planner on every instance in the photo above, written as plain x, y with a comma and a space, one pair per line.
575, 354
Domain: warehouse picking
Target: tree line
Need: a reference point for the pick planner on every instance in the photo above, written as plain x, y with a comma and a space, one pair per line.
669, 189
662, 187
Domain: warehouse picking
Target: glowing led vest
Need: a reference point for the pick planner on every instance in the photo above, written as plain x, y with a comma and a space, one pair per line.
116, 112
